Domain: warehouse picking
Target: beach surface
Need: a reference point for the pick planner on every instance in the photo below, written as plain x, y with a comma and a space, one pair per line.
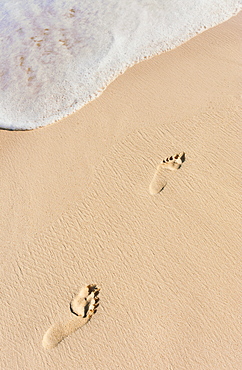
76, 209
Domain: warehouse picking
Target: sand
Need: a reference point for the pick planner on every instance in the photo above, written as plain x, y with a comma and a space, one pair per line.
76, 209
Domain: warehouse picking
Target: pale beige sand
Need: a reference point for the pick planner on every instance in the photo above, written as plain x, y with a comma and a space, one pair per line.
75, 207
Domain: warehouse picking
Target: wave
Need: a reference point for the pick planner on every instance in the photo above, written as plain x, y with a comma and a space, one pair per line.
56, 57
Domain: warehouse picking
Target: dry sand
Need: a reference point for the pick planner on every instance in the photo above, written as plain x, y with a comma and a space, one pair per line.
76, 209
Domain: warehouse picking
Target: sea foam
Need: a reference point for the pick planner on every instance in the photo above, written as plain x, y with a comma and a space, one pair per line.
57, 55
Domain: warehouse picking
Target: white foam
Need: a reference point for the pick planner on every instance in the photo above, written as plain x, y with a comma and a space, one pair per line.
58, 55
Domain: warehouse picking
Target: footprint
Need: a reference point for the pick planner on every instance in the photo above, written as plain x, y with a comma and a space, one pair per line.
159, 180
83, 305
82, 302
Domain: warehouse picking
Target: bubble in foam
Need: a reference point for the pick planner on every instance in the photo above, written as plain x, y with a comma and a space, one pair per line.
58, 55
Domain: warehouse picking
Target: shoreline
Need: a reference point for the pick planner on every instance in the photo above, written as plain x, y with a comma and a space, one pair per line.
58, 98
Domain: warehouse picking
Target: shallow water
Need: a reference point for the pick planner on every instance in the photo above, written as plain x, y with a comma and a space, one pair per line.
57, 55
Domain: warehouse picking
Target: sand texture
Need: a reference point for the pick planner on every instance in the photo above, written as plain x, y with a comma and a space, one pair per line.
76, 208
